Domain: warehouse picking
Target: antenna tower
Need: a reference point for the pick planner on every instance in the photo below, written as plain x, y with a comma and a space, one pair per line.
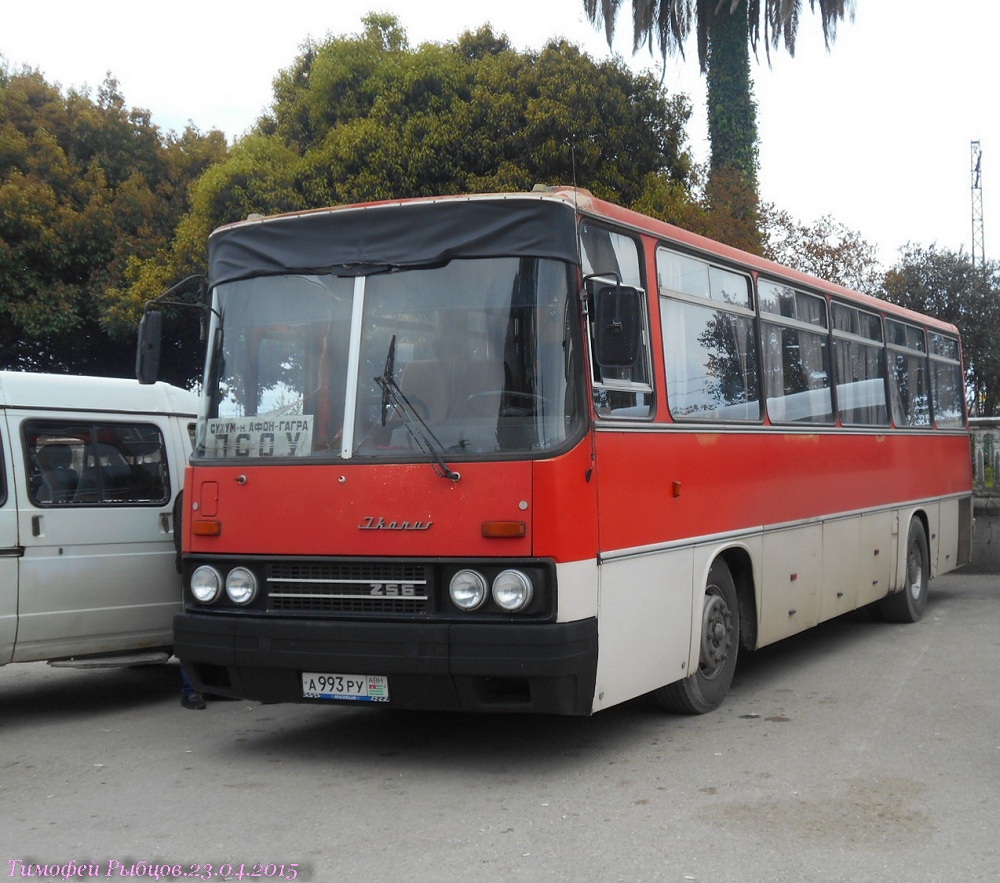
978, 239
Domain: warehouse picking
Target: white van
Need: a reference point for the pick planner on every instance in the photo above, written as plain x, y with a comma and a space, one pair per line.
89, 470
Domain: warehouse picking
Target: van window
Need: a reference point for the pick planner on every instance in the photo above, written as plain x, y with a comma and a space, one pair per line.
95, 464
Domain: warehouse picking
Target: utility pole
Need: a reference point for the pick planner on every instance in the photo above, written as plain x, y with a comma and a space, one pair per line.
978, 239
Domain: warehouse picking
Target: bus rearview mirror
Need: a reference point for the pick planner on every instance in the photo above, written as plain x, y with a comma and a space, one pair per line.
147, 354
617, 326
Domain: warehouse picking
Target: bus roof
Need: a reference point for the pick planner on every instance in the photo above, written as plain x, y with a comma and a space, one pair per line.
770, 269
61, 392
376, 237
437, 229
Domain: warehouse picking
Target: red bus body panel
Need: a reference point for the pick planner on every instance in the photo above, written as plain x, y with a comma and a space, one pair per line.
405, 510
733, 480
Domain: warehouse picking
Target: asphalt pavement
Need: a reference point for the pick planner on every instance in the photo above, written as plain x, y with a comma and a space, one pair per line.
860, 751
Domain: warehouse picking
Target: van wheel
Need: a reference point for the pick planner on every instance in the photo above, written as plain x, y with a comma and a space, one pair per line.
720, 641
908, 604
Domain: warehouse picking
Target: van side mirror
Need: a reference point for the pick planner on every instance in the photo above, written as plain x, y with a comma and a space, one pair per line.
617, 326
147, 354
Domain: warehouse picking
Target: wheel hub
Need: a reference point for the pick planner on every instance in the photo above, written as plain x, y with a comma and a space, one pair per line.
716, 637
914, 573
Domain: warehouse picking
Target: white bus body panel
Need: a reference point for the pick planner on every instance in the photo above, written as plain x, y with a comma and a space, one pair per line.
790, 591
651, 598
645, 624
841, 567
945, 537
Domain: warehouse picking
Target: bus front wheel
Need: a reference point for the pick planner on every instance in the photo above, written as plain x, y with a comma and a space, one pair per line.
908, 604
720, 640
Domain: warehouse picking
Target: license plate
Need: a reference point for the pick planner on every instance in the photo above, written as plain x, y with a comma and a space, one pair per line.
356, 688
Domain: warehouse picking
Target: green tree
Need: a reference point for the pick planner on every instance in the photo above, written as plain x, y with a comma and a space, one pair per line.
88, 187
946, 285
726, 31
367, 117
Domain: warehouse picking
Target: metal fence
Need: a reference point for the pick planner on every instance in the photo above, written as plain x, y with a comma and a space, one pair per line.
985, 433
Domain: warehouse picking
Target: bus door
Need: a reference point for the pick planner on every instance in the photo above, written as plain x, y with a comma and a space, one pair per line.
9, 550
97, 575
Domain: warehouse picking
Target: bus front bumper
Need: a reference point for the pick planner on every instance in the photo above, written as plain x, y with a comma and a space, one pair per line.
528, 667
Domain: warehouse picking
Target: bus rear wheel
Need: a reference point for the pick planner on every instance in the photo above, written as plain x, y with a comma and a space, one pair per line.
720, 640
908, 604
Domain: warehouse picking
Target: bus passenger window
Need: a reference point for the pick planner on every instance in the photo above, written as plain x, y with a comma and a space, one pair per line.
709, 340
947, 389
796, 355
908, 390
859, 360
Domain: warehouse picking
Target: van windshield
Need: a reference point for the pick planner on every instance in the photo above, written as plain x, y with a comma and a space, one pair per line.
481, 355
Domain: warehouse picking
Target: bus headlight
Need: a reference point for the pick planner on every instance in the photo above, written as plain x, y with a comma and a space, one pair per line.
467, 590
241, 585
512, 590
206, 584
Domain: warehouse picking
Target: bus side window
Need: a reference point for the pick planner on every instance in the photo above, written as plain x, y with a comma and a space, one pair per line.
908, 382
709, 340
796, 355
859, 362
622, 386
948, 393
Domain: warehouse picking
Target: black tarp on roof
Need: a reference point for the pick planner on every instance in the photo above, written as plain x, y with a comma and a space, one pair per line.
398, 235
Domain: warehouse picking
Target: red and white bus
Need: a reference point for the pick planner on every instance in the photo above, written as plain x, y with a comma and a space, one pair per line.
538, 453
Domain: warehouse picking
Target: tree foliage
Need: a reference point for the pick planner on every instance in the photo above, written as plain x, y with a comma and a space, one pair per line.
725, 32
374, 119
665, 25
948, 286
366, 117
88, 187
715, 208
827, 249
732, 108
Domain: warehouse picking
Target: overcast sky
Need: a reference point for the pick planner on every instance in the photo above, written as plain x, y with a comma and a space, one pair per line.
876, 133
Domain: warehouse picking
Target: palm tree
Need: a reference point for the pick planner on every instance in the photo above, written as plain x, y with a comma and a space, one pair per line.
726, 31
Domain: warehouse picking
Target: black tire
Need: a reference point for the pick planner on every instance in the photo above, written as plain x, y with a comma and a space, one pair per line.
720, 642
909, 603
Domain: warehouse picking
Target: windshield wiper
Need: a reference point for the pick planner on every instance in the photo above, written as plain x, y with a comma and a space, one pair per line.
386, 379
414, 423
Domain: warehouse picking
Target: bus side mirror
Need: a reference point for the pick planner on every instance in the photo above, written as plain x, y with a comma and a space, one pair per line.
147, 354
617, 326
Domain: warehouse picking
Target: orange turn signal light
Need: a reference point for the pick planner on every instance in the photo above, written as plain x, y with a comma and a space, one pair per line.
206, 528
504, 530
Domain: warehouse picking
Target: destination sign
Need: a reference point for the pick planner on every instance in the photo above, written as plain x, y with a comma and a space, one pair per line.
287, 436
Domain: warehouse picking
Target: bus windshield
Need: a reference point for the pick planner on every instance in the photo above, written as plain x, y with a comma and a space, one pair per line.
478, 357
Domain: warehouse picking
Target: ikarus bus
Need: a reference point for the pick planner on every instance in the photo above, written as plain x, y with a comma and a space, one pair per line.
538, 453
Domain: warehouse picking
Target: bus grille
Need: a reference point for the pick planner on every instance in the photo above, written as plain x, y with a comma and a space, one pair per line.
348, 587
